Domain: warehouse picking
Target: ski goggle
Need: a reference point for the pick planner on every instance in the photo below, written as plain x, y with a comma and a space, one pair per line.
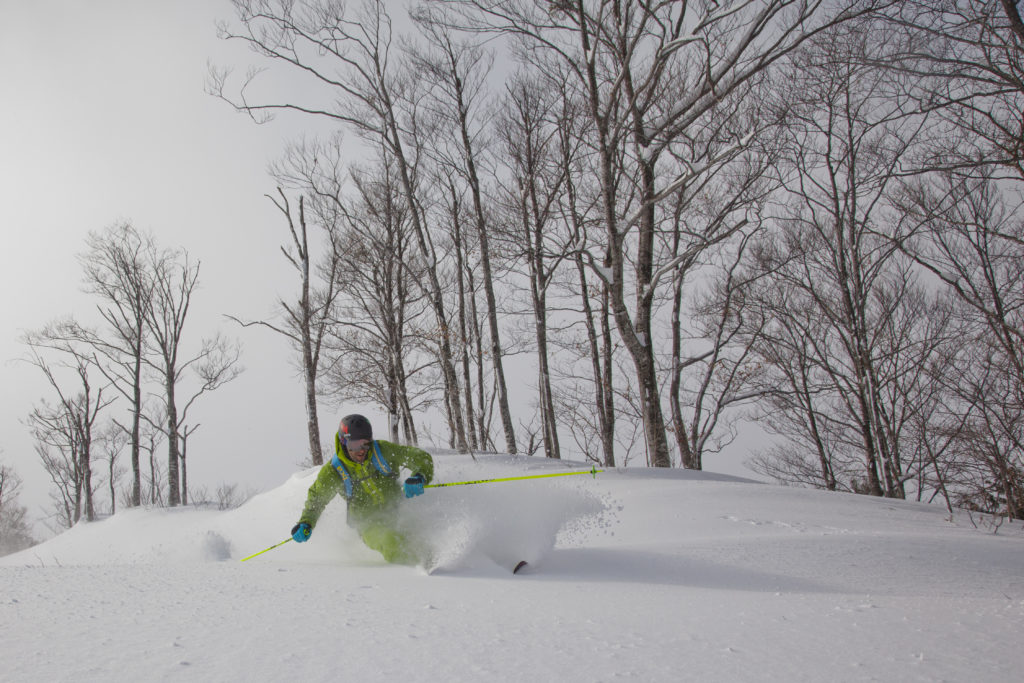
357, 445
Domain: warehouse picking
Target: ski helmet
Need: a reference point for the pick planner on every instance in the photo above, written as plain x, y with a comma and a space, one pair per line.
355, 427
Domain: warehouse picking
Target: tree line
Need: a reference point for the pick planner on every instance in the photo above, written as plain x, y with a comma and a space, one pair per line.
685, 214
126, 383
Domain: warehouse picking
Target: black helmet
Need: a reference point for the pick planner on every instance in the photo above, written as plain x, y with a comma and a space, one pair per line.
355, 427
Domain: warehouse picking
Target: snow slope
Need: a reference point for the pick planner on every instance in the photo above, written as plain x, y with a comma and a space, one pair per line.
636, 575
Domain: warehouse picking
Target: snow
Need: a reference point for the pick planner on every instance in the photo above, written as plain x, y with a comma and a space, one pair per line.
644, 575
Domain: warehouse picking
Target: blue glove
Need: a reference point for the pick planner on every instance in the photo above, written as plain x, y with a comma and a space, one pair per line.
414, 485
301, 532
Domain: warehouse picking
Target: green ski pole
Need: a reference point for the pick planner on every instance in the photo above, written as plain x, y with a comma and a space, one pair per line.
593, 470
267, 549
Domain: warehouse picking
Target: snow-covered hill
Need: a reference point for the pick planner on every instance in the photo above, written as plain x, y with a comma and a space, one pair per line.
635, 575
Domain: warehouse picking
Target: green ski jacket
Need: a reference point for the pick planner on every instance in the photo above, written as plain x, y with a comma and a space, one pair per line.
373, 492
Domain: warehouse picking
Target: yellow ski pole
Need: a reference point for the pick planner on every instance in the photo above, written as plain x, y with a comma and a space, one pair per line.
267, 549
593, 470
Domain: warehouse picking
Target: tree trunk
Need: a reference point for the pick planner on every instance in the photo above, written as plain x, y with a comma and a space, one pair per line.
481, 426
113, 492
90, 511
547, 402
462, 272
636, 336
173, 455
600, 361
184, 478
436, 295
488, 282
136, 436
686, 452
309, 360
533, 234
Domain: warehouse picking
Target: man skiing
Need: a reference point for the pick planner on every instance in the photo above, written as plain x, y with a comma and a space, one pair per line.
365, 472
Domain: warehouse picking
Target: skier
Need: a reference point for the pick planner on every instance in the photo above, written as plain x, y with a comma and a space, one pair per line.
365, 472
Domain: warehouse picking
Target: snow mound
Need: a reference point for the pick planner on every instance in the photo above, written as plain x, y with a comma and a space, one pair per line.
645, 575
458, 527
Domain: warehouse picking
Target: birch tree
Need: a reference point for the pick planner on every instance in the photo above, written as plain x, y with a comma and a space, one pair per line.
966, 60
649, 73
844, 286
372, 337
469, 338
175, 276
15, 532
530, 133
307, 319
459, 71
968, 232
68, 425
962, 221
347, 52
116, 271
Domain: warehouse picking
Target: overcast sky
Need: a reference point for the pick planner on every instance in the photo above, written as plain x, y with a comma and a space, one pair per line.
104, 118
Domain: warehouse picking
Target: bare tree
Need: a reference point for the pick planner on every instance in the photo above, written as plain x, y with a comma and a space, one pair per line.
719, 362
466, 306
152, 434
459, 70
966, 60
174, 280
649, 74
15, 532
68, 424
796, 405
962, 223
968, 232
533, 129
306, 320
116, 271
372, 268
843, 299
579, 208
600, 350
186, 431
112, 440
172, 294
372, 336
348, 54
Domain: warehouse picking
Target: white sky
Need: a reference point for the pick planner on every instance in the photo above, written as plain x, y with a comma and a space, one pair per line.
103, 118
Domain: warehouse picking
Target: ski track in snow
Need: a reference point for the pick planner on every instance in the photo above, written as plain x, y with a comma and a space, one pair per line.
638, 575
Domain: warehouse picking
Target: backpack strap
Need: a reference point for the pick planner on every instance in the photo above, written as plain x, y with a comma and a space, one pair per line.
346, 478
377, 459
